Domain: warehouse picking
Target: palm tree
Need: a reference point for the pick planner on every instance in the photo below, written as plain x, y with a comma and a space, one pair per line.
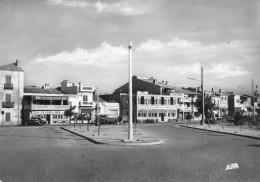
208, 106
69, 112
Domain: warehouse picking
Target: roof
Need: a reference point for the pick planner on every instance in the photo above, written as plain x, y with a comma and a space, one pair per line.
161, 84
11, 67
187, 92
34, 89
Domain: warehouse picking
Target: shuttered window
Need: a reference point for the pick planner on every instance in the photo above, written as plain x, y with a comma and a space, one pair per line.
8, 79
7, 116
7, 97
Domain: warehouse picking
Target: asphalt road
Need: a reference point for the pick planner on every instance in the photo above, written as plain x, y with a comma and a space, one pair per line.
51, 154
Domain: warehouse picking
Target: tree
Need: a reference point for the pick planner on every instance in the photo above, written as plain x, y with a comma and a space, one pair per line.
69, 112
208, 106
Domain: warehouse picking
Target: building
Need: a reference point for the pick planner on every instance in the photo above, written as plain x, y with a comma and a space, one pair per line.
80, 96
153, 101
110, 109
237, 103
46, 103
11, 93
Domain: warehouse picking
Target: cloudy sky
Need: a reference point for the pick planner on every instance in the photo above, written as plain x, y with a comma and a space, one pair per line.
86, 40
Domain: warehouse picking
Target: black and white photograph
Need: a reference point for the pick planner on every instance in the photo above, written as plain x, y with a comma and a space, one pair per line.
129, 90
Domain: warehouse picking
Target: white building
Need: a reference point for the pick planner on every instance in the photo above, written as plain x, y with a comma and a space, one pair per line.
80, 96
11, 93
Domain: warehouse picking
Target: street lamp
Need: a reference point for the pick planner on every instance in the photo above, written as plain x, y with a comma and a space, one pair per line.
130, 120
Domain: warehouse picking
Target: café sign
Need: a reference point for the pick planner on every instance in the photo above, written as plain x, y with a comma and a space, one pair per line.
47, 112
50, 98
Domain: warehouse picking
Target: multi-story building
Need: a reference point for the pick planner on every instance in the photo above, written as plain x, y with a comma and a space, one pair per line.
45, 103
80, 96
11, 93
153, 100
237, 103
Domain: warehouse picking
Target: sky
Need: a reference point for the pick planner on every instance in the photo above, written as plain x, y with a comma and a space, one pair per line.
87, 40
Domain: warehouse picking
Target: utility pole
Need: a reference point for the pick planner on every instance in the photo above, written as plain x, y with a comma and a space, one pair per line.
202, 91
98, 111
253, 98
130, 118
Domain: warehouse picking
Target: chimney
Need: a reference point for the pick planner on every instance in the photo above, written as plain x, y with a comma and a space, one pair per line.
46, 86
17, 63
80, 85
220, 91
166, 82
154, 81
213, 90
198, 89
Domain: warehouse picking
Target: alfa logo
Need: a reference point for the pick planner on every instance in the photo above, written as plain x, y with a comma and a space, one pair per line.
232, 166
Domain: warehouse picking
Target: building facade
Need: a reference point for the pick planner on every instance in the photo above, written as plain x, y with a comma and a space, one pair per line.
11, 93
45, 103
154, 101
80, 96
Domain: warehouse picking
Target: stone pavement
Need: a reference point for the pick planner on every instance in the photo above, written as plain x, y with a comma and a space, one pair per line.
113, 135
243, 131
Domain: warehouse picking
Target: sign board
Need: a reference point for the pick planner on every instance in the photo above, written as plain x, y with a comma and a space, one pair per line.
50, 98
47, 112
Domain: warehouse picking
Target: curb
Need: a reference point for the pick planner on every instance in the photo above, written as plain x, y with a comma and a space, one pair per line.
236, 134
124, 142
89, 139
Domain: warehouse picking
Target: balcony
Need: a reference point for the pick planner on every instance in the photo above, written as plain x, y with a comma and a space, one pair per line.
8, 86
7, 104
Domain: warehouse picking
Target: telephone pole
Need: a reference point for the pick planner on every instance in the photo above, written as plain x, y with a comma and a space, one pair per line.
253, 98
202, 91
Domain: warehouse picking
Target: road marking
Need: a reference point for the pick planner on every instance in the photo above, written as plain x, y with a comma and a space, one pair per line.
232, 166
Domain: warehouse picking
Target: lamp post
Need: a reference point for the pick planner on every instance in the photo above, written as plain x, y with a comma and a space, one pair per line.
202, 89
130, 118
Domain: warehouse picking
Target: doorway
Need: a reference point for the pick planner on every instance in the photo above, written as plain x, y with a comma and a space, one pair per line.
49, 118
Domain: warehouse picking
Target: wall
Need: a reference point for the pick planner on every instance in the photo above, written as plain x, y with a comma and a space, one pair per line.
16, 96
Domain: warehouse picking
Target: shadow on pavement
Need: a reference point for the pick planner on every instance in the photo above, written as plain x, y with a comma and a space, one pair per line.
39, 137
215, 135
254, 145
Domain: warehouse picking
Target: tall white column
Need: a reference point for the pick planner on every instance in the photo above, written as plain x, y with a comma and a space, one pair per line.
130, 118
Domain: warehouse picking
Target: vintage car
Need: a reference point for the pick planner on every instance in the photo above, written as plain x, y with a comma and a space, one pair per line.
34, 121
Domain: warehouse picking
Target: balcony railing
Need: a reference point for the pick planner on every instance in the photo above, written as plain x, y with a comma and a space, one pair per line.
8, 86
7, 104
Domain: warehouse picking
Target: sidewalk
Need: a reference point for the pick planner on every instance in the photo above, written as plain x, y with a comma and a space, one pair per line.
113, 135
243, 131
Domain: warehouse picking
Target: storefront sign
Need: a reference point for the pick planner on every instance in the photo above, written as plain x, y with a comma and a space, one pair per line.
162, 111
47, 112
141, 111
50, 98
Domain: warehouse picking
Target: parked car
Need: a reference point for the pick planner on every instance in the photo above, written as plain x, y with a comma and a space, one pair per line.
104, 119
34, 121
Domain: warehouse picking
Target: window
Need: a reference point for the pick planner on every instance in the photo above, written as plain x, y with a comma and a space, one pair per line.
162, 100
54, 116
8, 116
8, 79
7, 97
142, 100
85, 98
152, 100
